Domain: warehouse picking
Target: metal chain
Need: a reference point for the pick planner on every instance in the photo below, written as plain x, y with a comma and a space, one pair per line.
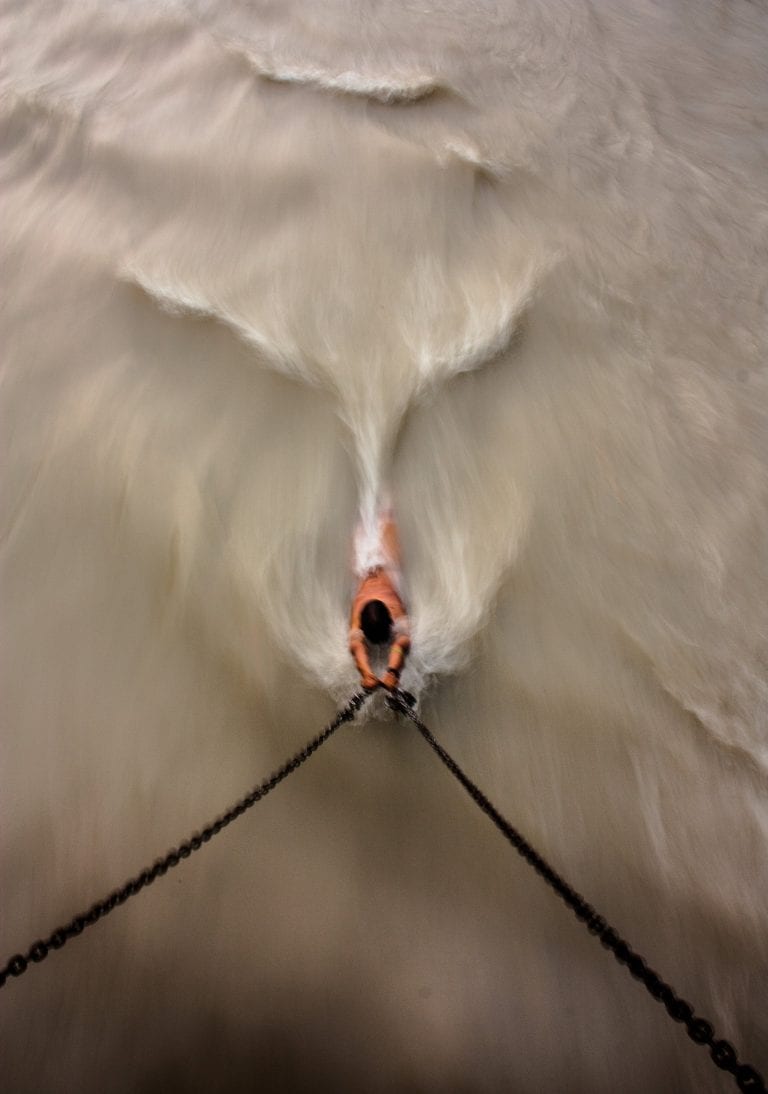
699, 1029
38, 951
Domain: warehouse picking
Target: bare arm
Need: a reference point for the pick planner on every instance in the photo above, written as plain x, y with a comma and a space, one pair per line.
398, 652
359, 651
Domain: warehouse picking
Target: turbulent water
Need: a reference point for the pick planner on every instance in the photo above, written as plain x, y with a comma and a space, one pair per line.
264, 262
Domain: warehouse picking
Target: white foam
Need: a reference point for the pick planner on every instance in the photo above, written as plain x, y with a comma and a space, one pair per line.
382, 87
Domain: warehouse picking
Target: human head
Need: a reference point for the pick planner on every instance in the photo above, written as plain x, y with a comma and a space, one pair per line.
376, 622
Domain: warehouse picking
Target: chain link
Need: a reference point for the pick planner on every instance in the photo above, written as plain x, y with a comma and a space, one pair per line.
698, 1029
38, 951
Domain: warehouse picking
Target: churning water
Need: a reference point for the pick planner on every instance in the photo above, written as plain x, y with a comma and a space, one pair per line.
264, 262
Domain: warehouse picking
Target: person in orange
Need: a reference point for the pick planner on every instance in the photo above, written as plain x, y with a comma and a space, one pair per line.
378, 615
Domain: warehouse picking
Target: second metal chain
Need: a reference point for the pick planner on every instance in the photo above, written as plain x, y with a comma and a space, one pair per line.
38, 951
699, 1029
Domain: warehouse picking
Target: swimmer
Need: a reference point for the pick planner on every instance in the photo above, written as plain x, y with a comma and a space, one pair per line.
378, 615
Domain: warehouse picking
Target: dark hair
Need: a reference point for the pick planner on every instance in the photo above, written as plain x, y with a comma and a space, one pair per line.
375, 622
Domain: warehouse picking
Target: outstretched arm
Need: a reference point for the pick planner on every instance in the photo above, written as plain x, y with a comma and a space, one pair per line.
359, 651
397, 654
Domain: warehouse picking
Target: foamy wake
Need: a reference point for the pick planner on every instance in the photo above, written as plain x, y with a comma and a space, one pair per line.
398, 87
183, 299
